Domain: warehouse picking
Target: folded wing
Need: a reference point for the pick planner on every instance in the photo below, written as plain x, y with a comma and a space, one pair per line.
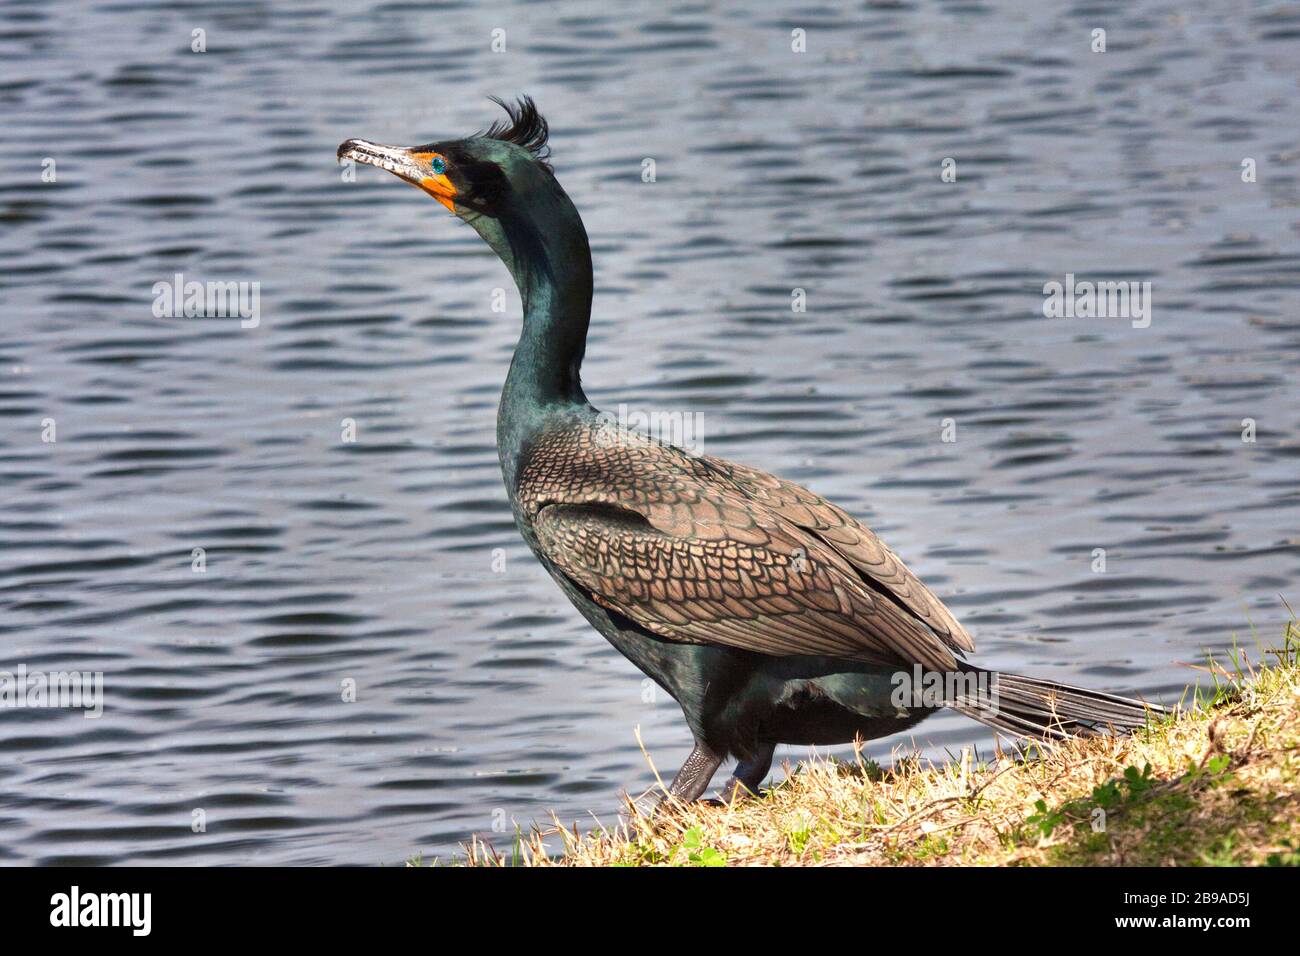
701, 551
858, 543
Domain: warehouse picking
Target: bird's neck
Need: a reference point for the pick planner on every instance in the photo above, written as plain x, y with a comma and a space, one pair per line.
556, 296
546, 250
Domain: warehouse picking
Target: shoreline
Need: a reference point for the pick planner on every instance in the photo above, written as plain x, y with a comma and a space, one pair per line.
1216, 784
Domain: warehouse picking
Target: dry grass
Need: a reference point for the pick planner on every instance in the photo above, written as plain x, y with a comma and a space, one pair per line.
1214, 785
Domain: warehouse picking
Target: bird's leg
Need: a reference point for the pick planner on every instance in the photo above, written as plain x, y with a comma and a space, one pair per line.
748, 775
693, 779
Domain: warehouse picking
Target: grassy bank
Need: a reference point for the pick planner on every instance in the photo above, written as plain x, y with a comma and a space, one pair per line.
1214, 785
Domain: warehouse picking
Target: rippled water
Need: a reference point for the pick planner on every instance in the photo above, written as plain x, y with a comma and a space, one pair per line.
481, 696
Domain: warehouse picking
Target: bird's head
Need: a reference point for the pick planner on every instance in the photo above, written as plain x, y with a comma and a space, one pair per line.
483, 174
498, 180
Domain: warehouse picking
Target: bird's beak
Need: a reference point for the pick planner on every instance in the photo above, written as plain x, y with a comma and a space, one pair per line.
412, 167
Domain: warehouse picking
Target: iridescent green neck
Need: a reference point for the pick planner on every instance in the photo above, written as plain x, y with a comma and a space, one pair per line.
553, 273
544, 245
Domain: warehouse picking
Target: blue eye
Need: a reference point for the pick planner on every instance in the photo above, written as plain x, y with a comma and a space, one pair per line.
439, 165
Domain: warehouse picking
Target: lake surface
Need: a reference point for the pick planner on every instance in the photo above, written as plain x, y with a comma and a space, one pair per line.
390, 564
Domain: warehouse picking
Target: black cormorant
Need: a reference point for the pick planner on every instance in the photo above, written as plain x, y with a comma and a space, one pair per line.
769, 614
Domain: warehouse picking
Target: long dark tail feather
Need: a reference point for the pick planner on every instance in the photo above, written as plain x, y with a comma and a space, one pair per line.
1034, 707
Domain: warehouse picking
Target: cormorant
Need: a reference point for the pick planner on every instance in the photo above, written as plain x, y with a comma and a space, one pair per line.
768, 613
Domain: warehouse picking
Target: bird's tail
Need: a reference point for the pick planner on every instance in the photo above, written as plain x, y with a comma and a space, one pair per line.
1033, 707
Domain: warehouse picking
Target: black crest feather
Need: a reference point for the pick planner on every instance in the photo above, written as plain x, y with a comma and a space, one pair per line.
526, 127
